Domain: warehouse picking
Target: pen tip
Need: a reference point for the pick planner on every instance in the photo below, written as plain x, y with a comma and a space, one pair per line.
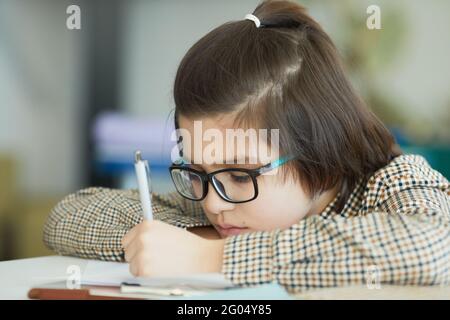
137, 156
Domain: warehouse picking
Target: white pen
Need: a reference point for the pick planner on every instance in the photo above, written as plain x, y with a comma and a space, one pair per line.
143, 177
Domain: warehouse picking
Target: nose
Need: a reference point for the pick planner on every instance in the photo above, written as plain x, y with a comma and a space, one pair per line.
214, 203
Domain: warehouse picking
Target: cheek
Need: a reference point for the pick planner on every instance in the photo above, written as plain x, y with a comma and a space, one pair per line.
277, 206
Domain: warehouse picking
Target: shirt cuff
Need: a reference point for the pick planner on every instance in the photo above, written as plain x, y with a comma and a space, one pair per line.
248, 258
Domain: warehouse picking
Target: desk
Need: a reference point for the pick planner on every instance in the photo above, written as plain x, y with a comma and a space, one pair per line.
18, 276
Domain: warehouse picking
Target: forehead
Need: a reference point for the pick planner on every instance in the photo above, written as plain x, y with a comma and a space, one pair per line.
221, 122
219, 139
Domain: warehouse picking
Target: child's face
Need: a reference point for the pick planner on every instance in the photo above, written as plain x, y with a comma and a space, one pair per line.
278, 204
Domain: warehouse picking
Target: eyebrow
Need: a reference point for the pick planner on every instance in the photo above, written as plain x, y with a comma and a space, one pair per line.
233, 161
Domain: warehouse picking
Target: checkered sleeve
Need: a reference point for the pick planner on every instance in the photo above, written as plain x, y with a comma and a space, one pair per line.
91, 222
404, 240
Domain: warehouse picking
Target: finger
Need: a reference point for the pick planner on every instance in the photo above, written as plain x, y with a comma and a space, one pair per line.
131, 250
138, 266
129, 236
137, 229
133, 268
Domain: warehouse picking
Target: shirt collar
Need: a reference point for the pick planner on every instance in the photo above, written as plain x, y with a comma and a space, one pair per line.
331, 207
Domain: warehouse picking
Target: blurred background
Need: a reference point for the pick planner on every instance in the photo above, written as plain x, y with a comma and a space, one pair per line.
75, 104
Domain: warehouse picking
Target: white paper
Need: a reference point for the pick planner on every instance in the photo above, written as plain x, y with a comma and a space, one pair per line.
104, 273
192, 281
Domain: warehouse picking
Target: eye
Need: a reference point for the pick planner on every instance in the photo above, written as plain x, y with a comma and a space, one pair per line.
240, 177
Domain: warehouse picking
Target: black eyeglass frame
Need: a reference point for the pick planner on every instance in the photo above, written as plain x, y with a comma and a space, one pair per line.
208, 177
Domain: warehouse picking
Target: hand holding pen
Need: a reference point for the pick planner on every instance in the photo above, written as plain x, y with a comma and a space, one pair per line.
157, 248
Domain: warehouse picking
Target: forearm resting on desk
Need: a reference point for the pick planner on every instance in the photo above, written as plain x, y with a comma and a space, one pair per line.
91, 222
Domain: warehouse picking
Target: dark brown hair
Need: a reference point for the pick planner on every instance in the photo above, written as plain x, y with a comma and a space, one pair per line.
287, 75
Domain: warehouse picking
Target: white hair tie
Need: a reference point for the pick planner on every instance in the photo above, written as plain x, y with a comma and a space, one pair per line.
255, 19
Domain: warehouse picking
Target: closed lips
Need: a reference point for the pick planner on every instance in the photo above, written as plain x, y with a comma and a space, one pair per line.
229, 226
229, 230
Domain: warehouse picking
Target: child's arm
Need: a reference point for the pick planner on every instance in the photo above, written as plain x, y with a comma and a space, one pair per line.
90, 223
405, 240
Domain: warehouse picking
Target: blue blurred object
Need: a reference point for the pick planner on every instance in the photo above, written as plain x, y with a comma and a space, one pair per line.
437, 154
117, 136
399, 136
271, 291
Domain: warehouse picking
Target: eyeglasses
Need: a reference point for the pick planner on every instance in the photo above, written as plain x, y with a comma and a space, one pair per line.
235, 185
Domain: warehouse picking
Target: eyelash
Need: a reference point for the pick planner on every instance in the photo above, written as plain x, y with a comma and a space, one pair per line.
241, 179
238, 179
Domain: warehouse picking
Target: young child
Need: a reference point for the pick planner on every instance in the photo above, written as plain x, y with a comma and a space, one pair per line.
344, 206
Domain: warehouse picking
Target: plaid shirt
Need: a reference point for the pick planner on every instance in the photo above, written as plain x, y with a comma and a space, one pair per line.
394, 229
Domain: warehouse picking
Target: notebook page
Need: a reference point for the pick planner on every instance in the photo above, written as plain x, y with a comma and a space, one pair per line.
107, 273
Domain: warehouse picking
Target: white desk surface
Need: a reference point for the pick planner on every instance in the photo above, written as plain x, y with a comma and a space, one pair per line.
18, 276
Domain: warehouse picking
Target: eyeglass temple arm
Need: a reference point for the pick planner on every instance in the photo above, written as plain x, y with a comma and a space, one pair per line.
275, 164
